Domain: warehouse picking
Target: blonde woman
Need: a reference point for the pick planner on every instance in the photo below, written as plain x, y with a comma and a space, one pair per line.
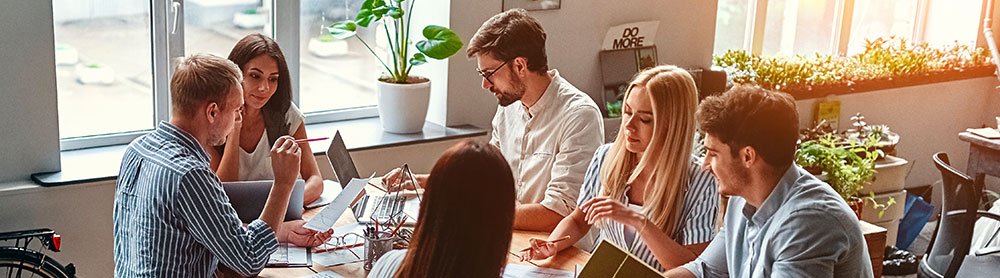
645, 191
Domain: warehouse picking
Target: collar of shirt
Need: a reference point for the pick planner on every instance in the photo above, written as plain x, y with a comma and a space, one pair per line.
758, 216
171, 132
547, 96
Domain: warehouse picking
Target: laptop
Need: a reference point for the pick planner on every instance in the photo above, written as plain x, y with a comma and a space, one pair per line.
382, 207
249, 197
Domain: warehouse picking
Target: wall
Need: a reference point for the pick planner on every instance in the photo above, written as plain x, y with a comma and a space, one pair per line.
28, 121
928, 119
575, 32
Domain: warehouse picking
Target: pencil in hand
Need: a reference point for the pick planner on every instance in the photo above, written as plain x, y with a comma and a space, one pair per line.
310, 140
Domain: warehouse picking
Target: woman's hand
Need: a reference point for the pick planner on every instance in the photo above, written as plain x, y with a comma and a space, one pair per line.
295, 233
540, 249
600, 208
397, 180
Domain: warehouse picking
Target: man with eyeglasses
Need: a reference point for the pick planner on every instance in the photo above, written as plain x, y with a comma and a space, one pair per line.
546, 129
552, 129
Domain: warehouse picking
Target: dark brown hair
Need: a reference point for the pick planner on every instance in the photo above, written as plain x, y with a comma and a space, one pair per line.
752, 116
509, 35
201, 78
276, 108
466, 216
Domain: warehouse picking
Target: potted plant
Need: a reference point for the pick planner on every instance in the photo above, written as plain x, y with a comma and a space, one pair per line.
847, 167
402, 98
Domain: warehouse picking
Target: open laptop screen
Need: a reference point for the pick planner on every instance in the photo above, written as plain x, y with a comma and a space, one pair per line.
341, 160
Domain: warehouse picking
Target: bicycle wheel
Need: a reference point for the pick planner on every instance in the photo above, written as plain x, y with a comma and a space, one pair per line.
19, 262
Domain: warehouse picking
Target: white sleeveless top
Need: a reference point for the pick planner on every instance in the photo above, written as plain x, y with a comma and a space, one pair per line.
256, 165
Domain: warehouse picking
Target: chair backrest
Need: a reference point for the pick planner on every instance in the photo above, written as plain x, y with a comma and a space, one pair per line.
954, 232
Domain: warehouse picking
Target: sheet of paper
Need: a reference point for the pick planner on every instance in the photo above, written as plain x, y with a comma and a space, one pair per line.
339, 257
324, 274
325, 219
330, 191
520, 270
289, 255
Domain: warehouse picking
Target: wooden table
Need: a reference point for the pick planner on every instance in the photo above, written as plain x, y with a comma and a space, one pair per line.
875, 237
984, 156
565, 260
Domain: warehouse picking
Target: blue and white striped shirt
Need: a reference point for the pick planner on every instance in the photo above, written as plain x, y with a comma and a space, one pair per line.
172, 218
698, 216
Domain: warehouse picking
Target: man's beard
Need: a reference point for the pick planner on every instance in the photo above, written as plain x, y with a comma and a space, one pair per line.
515, 94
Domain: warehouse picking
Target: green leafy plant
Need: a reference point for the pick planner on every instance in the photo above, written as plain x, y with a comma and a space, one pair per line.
614, 109
881, 58
847, 166
439, 43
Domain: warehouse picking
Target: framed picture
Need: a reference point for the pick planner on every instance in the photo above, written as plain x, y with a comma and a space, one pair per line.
645, 57
531, 5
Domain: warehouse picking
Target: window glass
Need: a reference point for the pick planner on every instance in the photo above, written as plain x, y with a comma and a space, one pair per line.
103, 66
335, 74
730, 25
802, 27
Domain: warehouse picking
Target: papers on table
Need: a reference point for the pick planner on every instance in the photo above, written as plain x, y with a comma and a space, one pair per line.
290, 255
325, 219
342, 256
988, 133
520, 270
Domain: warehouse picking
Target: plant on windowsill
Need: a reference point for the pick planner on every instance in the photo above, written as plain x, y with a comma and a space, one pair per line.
402, 98
846, 165
884, 63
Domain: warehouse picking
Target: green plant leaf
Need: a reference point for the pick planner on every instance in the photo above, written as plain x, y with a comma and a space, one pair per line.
344, 29
394, 12
418, 59
441, 42
365, 18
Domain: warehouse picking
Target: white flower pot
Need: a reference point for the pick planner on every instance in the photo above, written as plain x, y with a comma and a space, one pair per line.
402, 108
891, 176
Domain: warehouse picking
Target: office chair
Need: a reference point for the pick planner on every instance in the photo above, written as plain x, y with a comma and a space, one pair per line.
949, 250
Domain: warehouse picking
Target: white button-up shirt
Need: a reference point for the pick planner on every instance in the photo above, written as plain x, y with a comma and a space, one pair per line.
549, 144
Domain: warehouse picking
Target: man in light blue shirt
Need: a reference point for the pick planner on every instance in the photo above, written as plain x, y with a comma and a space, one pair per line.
781, 221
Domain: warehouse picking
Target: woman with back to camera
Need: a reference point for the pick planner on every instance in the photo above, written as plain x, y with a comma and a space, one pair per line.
466, 217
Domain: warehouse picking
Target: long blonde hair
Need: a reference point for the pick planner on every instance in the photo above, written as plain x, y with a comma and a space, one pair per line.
674, 98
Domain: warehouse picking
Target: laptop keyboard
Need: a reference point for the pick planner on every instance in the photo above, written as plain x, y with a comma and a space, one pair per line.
388, 205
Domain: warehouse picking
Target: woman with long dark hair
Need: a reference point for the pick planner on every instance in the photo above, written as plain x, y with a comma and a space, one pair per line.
466, 218
268, 113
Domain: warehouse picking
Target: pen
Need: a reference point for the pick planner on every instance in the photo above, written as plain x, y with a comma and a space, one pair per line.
553, 242
310, 140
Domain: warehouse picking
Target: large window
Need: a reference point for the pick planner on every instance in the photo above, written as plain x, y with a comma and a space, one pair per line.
113, 59
103, 67
842, 26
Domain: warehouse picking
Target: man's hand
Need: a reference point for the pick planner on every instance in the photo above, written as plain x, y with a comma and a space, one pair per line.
285, 160
293, 232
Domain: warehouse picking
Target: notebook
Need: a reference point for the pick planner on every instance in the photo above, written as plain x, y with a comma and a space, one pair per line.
610, 260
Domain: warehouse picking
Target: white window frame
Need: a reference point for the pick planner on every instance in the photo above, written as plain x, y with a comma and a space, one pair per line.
753, 41
167, 43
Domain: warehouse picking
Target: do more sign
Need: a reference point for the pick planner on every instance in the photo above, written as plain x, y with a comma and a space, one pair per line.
630, 35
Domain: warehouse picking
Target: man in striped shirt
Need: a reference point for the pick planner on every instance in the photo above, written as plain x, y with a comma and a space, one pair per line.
171, 216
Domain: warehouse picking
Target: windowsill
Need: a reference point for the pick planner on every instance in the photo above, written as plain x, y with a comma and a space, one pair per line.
102, 163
